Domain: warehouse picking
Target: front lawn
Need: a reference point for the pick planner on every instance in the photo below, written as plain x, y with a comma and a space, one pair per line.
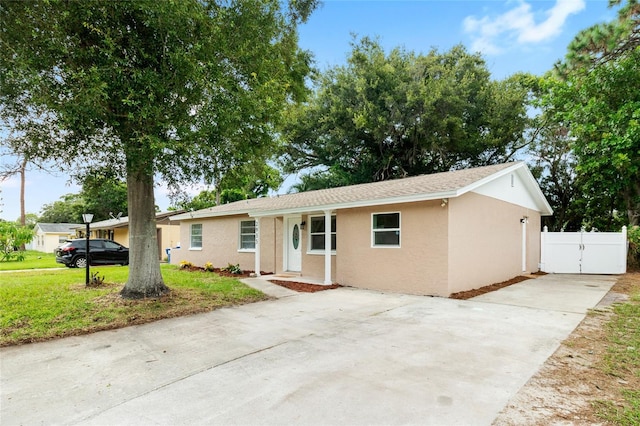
33, 260
39, 305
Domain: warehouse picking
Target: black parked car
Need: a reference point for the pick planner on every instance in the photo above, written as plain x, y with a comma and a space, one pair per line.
102, 252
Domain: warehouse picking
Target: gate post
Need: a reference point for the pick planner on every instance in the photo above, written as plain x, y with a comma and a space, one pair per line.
543, 249
624, 249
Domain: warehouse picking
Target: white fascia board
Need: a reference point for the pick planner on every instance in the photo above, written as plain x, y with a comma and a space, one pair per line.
355, 204
527, 178
489, 178
205, 215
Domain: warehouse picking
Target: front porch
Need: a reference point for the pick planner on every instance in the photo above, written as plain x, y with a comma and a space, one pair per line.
300, 251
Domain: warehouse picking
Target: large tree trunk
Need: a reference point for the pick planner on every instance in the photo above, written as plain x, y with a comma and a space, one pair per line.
145, 279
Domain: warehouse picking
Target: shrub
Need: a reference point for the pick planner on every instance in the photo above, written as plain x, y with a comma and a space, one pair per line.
96, 281
185, 264
233, 269
12, 237
208, 267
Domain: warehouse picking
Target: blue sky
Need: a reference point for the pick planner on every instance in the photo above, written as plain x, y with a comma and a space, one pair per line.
512, 35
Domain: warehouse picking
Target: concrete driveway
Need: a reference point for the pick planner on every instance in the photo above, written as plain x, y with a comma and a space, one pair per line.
342, 356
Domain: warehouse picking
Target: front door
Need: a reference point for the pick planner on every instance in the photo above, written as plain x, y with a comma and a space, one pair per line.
294, 245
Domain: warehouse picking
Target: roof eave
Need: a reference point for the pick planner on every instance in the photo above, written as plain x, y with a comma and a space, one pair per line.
356, 204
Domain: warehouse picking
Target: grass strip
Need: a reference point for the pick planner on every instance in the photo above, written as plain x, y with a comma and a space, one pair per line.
622, 361
42, 305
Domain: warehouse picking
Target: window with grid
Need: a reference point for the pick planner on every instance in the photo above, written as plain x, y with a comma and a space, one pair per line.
196, 236
316, 233
385, 230
247, 235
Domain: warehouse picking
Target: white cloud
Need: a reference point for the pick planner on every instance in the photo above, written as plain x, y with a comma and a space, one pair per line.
493, 34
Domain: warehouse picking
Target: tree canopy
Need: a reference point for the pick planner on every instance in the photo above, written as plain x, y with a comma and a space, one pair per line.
594, 94
183, 90
385, 116
102, 194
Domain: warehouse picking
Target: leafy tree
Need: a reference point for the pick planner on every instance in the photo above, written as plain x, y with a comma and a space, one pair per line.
182, 90
553, 163
12, 236
597, 97
68, 209
30, 220
206, 198
103, 193
21, 122
604, 42
247, 181
385, 116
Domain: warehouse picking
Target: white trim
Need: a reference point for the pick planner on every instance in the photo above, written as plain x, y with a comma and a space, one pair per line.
327, 246
285, 240
257, 255
354, 204
319, 251
191, 247
524, 221
520, 168
399, 230
255, 225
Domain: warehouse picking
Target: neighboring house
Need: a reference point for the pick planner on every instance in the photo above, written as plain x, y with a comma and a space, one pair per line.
117, 229
434, 234
48, 236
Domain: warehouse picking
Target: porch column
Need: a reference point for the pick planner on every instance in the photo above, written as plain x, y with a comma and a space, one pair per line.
327, 247
257, 252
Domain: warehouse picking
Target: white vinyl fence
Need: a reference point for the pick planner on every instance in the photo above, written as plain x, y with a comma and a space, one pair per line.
583, 252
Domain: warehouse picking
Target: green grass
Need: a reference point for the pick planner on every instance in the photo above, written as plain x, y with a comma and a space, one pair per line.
33, 260
622, 361
39, 305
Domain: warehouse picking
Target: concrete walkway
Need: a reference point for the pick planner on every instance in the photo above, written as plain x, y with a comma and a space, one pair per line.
342, 356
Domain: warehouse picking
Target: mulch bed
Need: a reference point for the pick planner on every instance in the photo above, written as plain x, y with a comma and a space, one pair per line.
223, 273
304, 287
464, 295
312, 288
291, 285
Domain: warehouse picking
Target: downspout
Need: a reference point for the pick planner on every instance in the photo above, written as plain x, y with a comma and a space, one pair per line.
524, 221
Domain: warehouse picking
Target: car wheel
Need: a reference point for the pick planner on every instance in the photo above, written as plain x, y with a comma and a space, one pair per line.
80, 262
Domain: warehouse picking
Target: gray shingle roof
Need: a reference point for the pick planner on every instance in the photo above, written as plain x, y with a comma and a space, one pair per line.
424, 187
58, 228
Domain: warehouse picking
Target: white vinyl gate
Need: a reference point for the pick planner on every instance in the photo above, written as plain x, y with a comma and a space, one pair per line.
583, 252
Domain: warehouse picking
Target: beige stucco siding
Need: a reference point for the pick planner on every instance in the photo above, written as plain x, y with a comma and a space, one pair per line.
49, 242
121, 235
170, 236
419, 266
485, 241
220, 244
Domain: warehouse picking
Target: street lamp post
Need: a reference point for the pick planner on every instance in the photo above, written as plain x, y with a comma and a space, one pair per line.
87, 217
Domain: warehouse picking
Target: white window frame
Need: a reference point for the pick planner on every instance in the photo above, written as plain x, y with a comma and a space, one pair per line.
191, 235
309, 234
398, 230
240, 234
